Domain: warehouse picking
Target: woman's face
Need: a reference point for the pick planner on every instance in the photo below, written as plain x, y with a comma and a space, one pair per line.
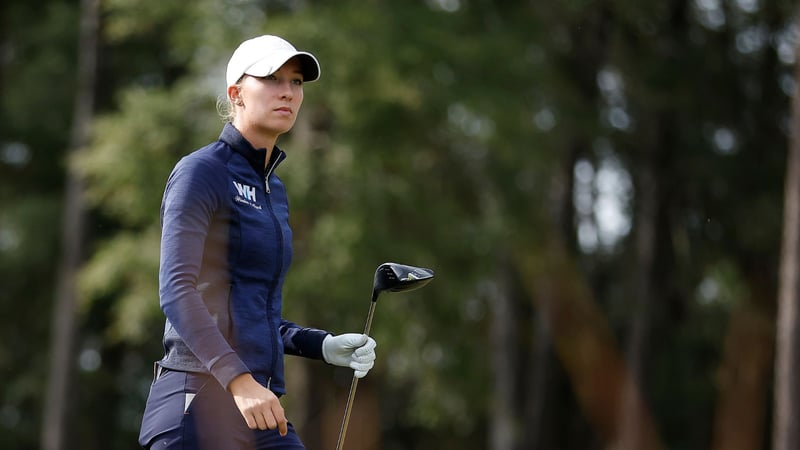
271, 103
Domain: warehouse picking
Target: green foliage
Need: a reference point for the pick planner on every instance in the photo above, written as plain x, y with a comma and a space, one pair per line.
441, 134
27, 243
36, 86
126, 168
133, 151
123, 268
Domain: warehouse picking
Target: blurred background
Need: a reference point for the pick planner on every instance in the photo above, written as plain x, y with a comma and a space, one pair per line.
599, 185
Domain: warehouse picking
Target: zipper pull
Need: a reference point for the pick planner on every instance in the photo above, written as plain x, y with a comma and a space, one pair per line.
269, 381
275, 160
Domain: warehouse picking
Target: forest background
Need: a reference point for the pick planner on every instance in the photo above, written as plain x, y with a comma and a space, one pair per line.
599, 185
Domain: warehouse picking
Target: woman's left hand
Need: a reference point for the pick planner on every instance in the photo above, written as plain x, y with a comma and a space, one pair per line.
356, 351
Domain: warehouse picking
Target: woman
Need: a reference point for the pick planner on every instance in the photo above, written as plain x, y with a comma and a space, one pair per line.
225, 248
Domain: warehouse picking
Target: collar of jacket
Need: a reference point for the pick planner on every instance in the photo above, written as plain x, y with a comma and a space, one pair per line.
255, 156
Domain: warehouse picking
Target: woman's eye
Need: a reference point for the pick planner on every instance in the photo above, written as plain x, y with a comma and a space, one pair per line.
297, 82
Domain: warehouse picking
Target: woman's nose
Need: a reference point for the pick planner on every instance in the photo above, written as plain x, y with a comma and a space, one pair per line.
286, 90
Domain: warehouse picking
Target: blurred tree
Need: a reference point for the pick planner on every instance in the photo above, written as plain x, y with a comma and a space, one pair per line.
62, 338
37, 52
786, 429
494, 142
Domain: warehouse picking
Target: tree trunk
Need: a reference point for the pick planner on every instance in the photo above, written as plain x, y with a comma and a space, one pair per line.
743, 378
648, 201
364, 430
786, 430
583, 341
542, 360
539, 370
503, 339
64, 316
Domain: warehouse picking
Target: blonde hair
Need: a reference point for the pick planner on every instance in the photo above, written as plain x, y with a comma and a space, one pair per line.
225, 108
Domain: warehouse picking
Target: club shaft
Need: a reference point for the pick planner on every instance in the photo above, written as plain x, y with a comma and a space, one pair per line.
354, 383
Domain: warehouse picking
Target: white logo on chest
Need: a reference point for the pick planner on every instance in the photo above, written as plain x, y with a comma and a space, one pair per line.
247, 195
248, 192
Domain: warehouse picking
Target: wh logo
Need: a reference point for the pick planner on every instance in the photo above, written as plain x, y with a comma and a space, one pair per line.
248, 192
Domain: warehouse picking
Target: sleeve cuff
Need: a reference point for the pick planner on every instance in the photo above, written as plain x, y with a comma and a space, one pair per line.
227, 368
309, 343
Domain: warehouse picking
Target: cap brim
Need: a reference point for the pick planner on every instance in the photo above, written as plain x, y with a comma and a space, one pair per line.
267, 66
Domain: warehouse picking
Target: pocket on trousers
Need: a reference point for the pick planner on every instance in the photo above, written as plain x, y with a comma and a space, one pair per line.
164, 409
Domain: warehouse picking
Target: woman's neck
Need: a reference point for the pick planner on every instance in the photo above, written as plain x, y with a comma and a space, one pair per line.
256, 138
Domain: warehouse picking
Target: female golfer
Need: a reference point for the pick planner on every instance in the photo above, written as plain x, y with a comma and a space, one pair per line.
225, 248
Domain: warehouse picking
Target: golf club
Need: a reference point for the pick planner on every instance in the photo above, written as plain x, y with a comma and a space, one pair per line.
390, 277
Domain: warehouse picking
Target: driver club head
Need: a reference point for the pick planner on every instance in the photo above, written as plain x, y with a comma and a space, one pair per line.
395, 277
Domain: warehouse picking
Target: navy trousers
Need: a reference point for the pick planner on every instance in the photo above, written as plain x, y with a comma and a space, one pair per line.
191, 411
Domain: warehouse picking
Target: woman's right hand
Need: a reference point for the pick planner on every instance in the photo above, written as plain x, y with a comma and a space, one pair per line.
259, 406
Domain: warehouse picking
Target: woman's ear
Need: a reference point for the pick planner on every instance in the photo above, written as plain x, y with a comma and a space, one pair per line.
235, 95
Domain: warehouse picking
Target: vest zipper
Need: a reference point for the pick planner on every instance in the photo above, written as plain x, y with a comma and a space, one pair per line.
269, 172
270, 292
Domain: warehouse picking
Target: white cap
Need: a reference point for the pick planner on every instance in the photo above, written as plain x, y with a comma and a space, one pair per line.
264, 55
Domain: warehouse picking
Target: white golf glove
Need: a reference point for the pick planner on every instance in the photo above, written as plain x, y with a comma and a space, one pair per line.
356, 351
